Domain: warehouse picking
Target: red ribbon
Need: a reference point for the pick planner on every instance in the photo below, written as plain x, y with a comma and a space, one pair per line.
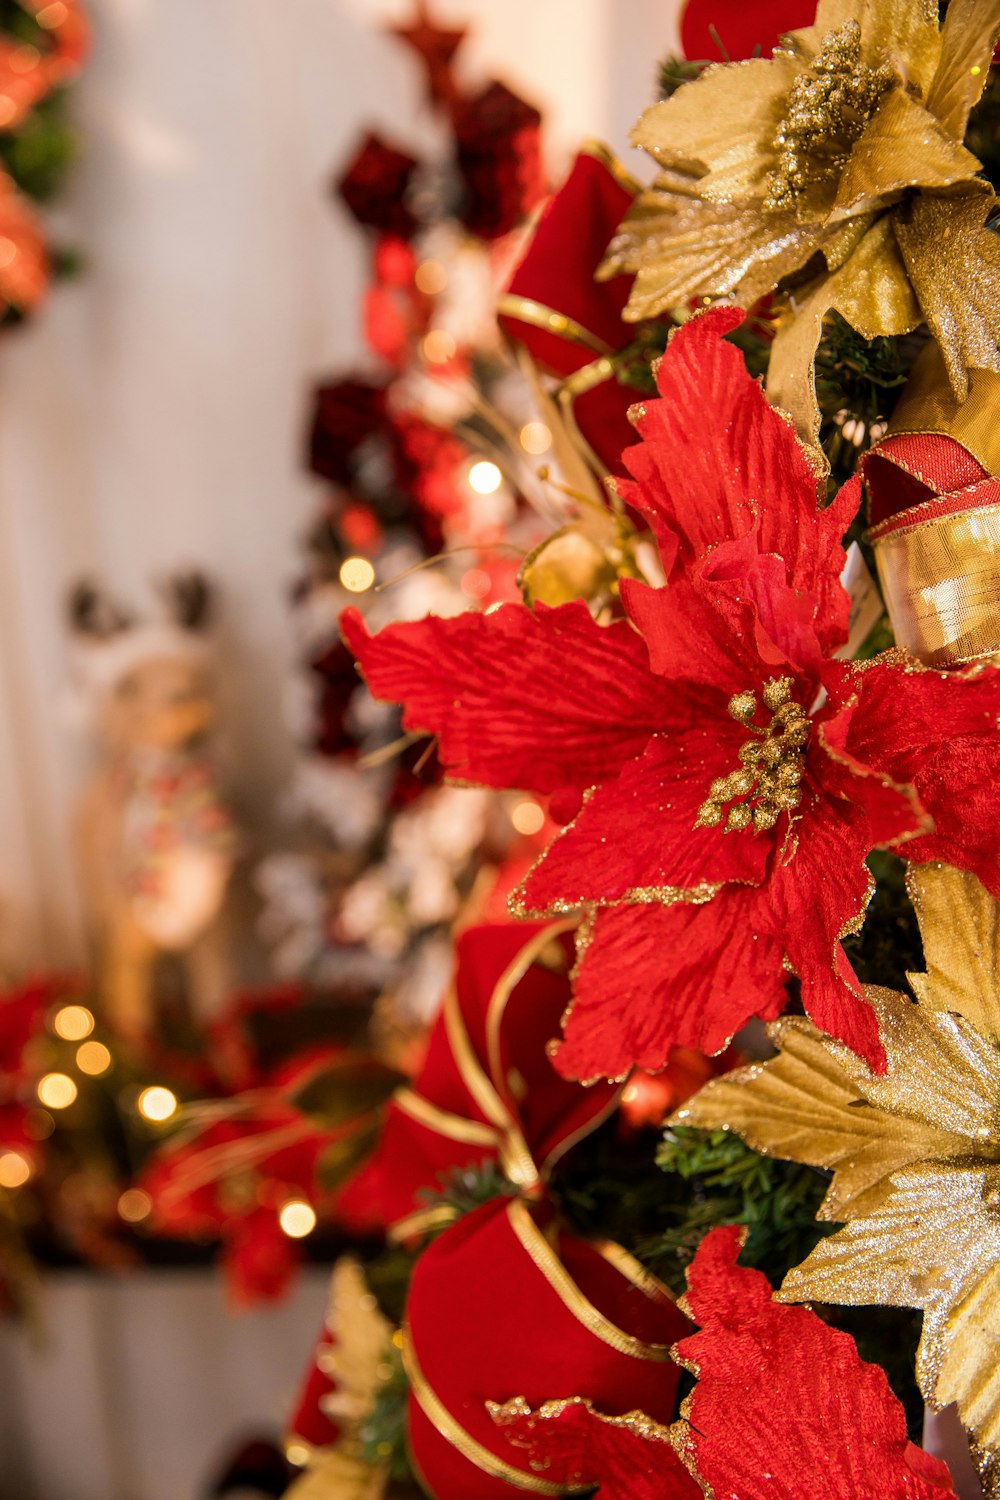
569, 323
507, 1302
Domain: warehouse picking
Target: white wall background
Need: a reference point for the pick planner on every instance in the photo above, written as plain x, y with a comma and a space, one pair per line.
153, 415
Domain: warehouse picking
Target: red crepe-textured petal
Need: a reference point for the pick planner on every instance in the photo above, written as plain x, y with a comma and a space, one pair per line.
937, 730
784, 1407
545, 700
717, 462
707, 635
654, 977
638, 834
813, 897
571, 1444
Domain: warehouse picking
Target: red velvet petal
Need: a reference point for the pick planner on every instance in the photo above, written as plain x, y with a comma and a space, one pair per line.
570, 1444
718, 462
638, 833
814, 895
653, 978
690, 640
784, 1407
545, 700
937, 730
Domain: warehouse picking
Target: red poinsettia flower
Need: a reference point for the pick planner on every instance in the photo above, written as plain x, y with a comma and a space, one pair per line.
784, 1404
734, 776
784, 1407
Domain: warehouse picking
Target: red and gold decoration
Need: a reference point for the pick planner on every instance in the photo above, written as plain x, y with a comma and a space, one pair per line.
487, 1093
615, 665
783, 1405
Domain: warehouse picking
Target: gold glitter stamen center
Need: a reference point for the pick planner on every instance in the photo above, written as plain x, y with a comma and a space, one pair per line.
768, 781
828, 110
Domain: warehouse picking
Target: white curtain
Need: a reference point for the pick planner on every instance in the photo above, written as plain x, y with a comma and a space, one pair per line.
153, 414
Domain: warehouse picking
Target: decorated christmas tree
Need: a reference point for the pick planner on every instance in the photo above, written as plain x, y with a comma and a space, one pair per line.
696, 1191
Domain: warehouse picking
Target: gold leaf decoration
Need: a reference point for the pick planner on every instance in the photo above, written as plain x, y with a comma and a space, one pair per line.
915, 1153
762, 162
358, 1363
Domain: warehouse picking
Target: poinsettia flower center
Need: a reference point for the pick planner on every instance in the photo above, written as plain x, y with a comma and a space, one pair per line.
828, 109
768, 781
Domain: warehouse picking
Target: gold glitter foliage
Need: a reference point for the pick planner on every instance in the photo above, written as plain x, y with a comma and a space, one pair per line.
358, 1364
835, 173
915, 1154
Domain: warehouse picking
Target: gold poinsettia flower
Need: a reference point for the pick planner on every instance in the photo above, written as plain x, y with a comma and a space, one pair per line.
915, 1154
834, 171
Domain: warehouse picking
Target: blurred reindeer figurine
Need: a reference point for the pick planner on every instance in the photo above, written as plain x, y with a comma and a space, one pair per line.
156, 843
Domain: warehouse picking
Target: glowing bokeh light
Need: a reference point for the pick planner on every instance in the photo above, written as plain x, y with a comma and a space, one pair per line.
535, 438
297, 1219
15, 1169
157, 1103
134, 1205
56, 1090
93, 1058
73, 1023
528, 818
357, 574
438, 347
484, 477
430, 277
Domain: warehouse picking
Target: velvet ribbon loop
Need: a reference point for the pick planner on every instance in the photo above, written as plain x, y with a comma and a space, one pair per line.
506, 1301
569, 323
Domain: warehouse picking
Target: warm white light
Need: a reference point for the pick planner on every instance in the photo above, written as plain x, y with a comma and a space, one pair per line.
297, 1454
357, 574
476, 583
73, 1023
15, 1169
438, 347
431, 277
528, 818
157, 1103
485, 478
56, 1090
93, 1058
52, 15
134, 1205
297, 1219
535, 438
